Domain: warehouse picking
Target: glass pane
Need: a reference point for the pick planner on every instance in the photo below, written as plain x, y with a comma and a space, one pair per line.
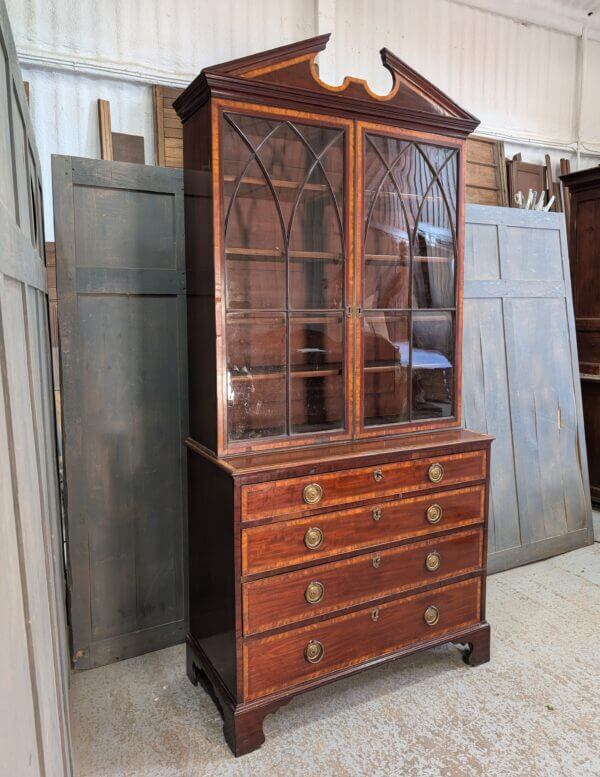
432, 365
256, 375
386, 370
387, 252
283, 216
409, 265
254, 237
317, 372
316, 250
434, 236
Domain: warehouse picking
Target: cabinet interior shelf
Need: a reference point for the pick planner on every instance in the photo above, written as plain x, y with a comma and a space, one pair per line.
278, 183
394, 259
258, 254
294, 374
386, 367
407, 195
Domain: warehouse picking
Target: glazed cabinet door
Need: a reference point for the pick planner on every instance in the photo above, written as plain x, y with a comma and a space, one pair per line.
285, 181
409, 255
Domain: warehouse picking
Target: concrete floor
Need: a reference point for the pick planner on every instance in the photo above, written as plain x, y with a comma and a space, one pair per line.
534, 710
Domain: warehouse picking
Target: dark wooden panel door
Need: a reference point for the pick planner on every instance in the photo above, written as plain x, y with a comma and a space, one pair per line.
121, 297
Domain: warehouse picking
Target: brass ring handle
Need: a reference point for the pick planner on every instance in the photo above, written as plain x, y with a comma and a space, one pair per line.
433, 561
376, 561
431, 615
314, 651
376, 513
434, 513
435, 472
315, 591
312, 493
313, 538
375, 614
378, 475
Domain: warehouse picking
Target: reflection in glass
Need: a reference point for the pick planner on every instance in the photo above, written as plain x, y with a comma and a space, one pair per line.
386, 368
434, 239
387, 238
315, 246
317, 375
409, 265
432, 365
256, 375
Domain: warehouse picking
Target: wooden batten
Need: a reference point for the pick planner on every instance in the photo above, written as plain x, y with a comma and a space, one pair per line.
168, 130
106, 146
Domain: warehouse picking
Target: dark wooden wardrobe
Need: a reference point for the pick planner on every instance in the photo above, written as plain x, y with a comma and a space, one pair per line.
584, 255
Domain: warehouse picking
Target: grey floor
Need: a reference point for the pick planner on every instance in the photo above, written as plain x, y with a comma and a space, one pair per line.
534, 710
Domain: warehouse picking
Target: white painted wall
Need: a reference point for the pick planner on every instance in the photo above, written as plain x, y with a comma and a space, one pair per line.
521, 78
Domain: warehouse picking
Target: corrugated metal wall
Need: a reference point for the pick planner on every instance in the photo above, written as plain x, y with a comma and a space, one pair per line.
521, 79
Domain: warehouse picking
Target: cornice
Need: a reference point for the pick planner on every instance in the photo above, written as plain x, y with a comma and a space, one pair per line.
248, 79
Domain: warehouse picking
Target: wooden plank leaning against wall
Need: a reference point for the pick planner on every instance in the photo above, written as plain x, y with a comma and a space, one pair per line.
34, 726
168, 130
521, 383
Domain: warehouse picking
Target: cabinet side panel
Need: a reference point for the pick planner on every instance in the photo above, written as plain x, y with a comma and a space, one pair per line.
211, 565
200, 278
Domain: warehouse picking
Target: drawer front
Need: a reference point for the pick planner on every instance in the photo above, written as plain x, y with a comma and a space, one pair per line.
300, 495
282, 660
285, 543
295, 596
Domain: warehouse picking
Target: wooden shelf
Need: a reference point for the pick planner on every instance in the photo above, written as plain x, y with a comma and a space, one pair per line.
259, 376
393, 259
386, 367
250, 252
316, 373
278, 184
294, 374
430, 314
327, 255
408, 195
433, 259
256, 254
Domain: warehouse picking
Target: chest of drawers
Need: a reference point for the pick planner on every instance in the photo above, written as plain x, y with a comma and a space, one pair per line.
311, 566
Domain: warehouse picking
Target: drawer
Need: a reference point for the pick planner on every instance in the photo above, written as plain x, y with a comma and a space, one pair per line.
295, 596
285, 543
293, 657
300, 495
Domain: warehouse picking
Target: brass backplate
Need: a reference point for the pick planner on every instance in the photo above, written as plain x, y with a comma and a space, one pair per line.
434, 513
431, 615
313, 652
433, 561
435, 472
313, 538
314, 592
312, 493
